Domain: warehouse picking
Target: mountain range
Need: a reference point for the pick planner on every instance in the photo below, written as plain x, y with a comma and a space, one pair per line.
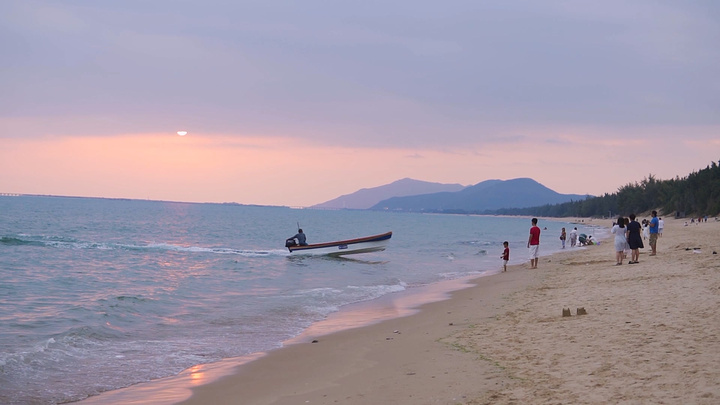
365, 198
419, 196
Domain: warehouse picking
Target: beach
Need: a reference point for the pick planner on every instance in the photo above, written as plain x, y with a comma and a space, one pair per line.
650, 335
124, 309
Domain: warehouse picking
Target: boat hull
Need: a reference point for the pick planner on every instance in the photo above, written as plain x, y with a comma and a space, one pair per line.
367, 244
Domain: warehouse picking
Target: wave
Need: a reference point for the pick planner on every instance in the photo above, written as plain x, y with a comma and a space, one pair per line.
478, 243
200, 249
70, 243
15, 241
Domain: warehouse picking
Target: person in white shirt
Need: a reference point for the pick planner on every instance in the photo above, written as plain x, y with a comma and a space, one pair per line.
573, 237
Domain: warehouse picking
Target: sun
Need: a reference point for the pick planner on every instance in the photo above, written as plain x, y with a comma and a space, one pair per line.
182, 133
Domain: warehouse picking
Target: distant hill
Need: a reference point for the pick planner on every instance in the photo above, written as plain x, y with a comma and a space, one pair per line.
484, 196
368, 197
695, 195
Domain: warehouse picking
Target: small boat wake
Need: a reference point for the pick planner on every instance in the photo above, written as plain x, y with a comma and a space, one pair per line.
62, 242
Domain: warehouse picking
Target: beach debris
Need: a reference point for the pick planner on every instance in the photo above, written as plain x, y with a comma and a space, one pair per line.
396, 331
714, 252
566, 312
581, 311
450, 324
315, 341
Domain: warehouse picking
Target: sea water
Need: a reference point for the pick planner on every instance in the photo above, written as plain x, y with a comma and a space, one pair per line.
100, 294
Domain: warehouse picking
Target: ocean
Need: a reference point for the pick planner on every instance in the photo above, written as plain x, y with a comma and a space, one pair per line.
100, 294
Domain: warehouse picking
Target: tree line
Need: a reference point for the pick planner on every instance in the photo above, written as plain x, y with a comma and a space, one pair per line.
695, 195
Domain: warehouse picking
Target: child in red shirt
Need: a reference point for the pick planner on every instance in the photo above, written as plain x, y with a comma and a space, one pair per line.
506, 255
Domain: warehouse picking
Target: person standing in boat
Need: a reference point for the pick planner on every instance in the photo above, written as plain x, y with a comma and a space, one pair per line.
300, 237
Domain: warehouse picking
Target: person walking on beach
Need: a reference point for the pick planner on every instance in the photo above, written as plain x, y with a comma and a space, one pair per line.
506, 255
634, 239
534, 243
661, 225
620, 241
573, 237
654, 226
563, 236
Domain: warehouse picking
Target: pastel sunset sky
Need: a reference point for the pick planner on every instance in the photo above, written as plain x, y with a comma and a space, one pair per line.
298, 102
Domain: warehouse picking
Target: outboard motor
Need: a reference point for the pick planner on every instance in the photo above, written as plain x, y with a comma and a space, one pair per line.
290, 242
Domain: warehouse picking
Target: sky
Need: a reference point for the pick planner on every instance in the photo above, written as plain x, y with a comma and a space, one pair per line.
298, 102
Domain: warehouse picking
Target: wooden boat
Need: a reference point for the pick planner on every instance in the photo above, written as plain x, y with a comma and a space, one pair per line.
367, 244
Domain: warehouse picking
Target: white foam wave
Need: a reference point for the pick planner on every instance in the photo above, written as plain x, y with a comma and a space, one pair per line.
324, 301
456, 275
69, 243
211, 250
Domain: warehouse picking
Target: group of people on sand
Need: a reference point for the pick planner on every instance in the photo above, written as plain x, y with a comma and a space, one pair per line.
575, 240
628, 236
699, 220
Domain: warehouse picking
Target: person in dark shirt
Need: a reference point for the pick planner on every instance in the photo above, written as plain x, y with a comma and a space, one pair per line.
300, 236
634, 239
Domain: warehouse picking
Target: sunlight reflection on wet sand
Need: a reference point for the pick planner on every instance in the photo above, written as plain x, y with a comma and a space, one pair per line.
175, 389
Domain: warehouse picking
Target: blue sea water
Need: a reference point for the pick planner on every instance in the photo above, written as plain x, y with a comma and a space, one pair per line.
99, 294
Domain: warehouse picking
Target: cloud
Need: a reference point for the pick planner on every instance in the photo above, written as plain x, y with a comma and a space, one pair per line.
369, 73
448, 89
415, 156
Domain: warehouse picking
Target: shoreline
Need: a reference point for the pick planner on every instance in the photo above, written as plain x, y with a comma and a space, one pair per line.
353, 319
651, 335
375, 359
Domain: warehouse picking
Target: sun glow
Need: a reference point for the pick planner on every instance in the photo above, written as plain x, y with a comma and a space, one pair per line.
182, 133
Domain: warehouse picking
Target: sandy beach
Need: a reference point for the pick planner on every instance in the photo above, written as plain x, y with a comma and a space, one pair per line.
651, 335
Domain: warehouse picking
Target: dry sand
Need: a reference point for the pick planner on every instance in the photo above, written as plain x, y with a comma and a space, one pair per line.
651, 336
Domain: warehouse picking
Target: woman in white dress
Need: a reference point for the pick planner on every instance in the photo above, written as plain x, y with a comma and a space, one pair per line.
620, 241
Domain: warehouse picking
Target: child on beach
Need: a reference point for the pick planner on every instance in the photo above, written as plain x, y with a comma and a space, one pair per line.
506, 255
563, 236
